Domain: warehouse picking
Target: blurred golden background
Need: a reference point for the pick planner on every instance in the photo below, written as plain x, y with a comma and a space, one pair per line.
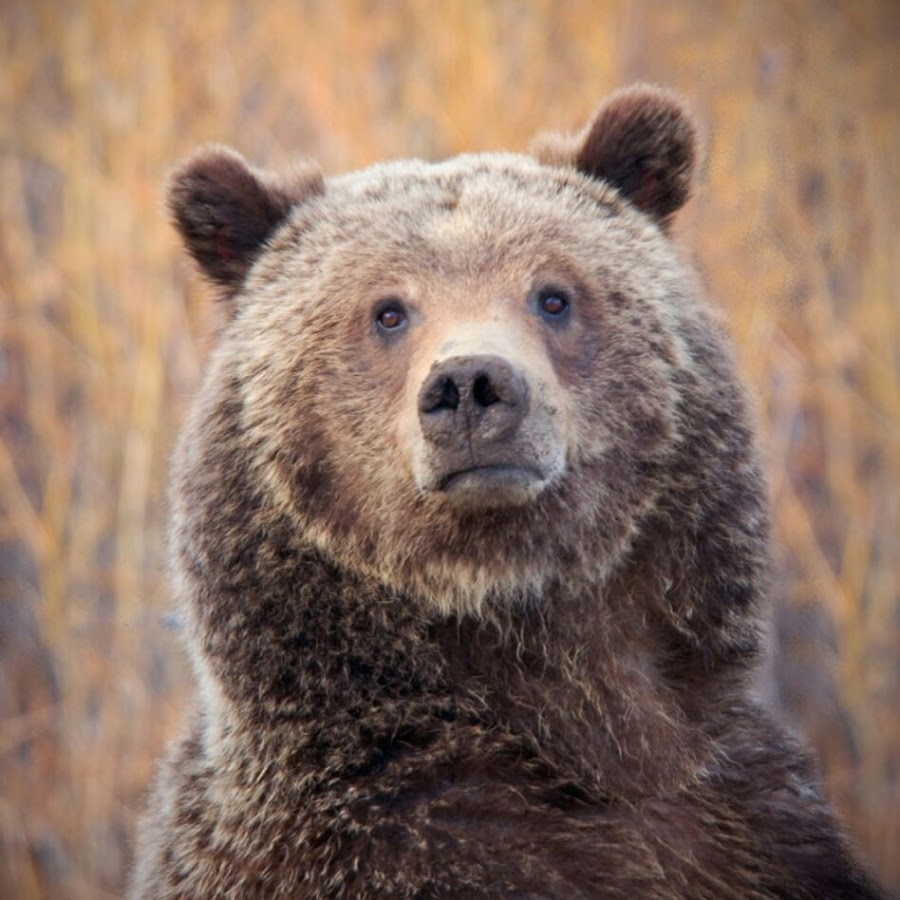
104, 328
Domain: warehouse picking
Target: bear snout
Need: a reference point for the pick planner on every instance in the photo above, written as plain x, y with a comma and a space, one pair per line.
468, 400
484, 446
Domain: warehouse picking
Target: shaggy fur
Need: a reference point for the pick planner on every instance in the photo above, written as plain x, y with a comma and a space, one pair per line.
471, 535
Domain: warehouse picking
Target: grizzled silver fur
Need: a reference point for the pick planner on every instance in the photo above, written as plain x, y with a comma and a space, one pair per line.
471, 534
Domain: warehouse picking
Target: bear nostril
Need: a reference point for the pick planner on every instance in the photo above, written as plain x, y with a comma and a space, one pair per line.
449, 395
444, 395
483, 392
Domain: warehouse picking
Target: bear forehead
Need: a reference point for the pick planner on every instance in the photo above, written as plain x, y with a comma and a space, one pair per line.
502, 179
461, 215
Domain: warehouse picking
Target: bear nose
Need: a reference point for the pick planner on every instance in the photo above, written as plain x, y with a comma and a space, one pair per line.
472, 398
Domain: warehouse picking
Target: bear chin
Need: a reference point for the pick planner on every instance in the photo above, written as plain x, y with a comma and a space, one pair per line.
492, 487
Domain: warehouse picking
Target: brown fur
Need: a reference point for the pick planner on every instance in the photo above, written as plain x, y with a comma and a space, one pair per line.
473, 601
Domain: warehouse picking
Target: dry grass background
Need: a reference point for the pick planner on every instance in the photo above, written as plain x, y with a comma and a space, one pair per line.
103, 330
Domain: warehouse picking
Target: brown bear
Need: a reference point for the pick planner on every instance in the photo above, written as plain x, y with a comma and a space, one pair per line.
471, 537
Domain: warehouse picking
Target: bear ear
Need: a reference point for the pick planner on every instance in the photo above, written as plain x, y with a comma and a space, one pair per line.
225, 210
642, 140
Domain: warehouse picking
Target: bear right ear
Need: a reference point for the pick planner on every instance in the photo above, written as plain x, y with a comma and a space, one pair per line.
225, 210
642, 140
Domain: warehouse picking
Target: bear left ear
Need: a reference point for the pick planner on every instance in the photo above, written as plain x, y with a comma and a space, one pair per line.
642, 140
225, 210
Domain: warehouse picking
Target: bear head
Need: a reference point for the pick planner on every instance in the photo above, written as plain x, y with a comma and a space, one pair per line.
473, 379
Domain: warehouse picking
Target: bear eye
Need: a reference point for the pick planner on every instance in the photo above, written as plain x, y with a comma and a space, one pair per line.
390, 316
553, 303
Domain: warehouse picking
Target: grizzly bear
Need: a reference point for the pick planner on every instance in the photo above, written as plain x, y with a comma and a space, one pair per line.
470, 534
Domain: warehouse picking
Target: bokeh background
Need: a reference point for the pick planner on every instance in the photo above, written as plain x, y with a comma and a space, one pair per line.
104, 328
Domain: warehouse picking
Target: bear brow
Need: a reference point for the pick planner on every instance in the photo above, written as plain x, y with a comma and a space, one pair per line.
561, 181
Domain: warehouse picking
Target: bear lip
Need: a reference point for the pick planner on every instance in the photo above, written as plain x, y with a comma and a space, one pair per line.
492, 486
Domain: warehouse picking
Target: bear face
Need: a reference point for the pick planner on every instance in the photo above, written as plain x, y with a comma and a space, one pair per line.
434, 362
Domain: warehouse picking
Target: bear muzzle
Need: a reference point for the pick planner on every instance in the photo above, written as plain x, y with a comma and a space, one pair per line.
474, 419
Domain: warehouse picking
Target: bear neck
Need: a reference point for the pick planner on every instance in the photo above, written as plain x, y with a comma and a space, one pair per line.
330, 672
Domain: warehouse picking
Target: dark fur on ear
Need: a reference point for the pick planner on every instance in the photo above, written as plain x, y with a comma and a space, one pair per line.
225, 210
642, 140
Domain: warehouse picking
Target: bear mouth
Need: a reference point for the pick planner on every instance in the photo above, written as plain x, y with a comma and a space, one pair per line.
487, 487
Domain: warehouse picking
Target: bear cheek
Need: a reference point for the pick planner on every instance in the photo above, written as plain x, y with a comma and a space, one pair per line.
624, 408
408, 452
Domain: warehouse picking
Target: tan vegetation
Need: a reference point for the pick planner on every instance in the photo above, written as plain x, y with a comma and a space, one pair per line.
103, 329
